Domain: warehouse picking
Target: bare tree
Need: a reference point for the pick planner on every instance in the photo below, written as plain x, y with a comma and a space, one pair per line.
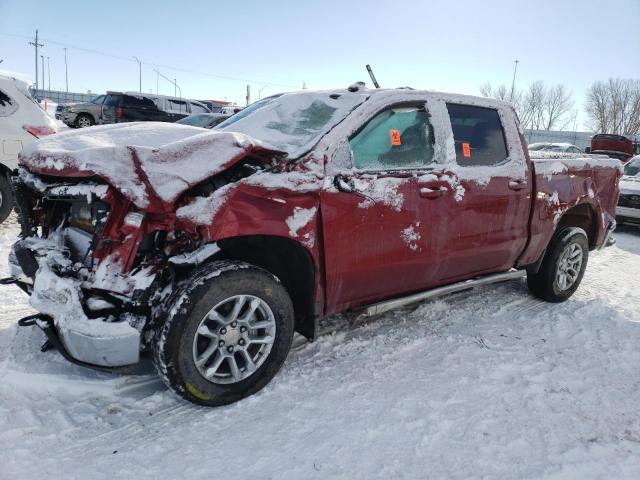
557, 107
539, 107
614, 106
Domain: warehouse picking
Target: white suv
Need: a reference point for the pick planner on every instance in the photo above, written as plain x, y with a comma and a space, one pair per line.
22, 121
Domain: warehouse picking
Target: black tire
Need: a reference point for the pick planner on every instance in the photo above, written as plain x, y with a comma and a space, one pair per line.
545, 283
84, 120
210, 286
6, 197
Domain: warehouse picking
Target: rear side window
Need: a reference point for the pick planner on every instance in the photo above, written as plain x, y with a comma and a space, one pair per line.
394, 139
478, 135
7, 105
176, 106
112, 101
138, 102
197, 108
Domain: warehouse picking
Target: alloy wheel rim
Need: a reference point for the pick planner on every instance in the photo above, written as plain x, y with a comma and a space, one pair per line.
84, 122
569, 265
234, 339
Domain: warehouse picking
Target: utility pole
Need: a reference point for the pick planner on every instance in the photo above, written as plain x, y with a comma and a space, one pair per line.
66, 75
139, 73
248, 98
36, 44
42, 58
513, 82
48, 73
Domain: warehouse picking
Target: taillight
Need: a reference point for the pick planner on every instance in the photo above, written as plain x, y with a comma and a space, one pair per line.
119, 112
39, 131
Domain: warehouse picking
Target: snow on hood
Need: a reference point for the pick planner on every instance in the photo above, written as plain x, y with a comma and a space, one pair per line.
630, 185
143, 160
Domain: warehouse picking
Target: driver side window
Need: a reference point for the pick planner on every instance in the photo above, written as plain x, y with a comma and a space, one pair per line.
398, 138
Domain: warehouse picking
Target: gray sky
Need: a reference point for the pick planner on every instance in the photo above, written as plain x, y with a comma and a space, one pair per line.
443, 45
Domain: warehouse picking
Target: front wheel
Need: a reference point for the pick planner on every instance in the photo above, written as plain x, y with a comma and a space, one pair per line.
563, 266
6, 197
84, 121
228, 332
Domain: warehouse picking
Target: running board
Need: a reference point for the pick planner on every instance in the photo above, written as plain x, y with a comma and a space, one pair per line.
382, 307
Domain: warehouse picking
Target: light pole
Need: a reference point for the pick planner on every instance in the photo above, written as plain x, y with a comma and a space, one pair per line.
66, 74
513, 82
260, 91
49, 73
42, 58
139, 73
175, 84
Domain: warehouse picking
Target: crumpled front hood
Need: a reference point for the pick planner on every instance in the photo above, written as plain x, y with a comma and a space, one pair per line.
150, 163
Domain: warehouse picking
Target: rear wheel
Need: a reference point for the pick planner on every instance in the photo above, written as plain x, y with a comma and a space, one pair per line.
6, 197
83, 121
563, 266
228, 333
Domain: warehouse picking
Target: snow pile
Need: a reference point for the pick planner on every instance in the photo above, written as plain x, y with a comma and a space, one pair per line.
172, 157
550, 163
299, 218
202, 210
380, 190
488, 384
410, 236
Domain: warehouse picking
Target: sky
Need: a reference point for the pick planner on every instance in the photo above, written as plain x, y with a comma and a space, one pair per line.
215, 48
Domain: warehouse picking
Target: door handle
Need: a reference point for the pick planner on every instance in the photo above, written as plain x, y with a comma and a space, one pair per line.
432, 192
517, 184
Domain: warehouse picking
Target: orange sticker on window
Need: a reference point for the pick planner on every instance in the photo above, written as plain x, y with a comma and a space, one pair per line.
466, 150
395, 137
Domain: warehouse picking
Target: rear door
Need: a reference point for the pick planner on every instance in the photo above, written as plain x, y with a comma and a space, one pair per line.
141, 109
488, 226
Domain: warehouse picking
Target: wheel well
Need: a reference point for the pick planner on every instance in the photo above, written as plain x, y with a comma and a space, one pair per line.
86, 114
584, 217
287, 260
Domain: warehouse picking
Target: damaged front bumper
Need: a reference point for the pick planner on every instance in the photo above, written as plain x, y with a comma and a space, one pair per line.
104, 341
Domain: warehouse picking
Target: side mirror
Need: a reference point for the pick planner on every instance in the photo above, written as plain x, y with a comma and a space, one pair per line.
343, 184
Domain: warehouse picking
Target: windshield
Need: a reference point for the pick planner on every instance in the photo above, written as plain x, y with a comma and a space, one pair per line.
293, 122
98, 100
633, 167
537, 146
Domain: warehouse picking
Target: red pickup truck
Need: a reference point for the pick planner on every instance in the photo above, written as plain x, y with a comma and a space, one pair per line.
209, 249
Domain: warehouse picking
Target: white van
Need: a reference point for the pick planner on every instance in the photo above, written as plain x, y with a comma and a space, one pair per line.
22, 121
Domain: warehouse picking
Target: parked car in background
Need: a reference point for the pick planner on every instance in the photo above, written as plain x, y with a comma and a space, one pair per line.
204, 120
210, 249
22, 121
628, 210
617, 146
82, 114
135, 107
554, 147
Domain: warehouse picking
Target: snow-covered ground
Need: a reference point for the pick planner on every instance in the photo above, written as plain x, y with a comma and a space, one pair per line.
488, 384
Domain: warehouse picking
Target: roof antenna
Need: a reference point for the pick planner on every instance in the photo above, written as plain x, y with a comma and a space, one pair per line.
373, 77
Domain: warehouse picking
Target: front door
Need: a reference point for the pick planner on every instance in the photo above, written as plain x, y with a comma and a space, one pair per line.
382, 216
